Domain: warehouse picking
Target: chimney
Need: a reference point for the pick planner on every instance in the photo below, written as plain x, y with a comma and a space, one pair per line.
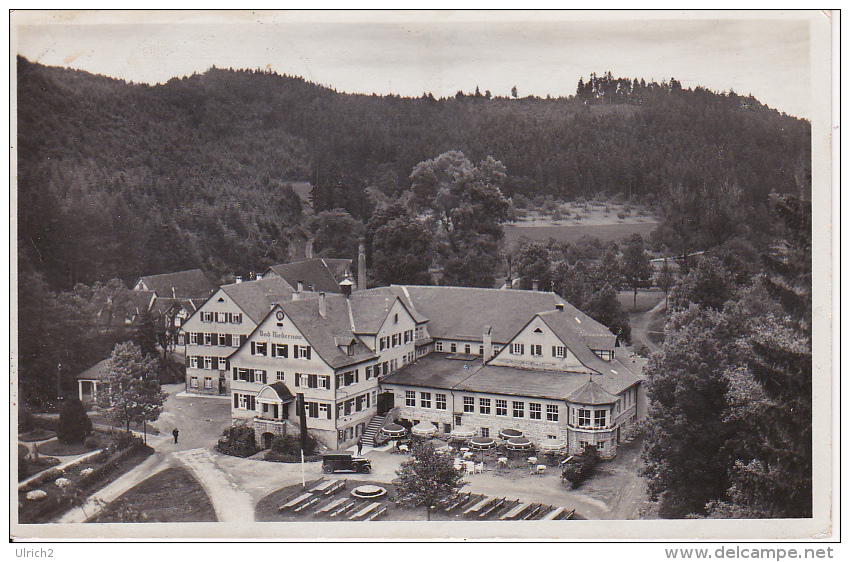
238, 278
361, 264
559, 307
301, 286
488, 343
534, 285
323, 307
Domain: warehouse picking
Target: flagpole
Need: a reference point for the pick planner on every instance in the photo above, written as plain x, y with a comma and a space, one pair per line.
303, 483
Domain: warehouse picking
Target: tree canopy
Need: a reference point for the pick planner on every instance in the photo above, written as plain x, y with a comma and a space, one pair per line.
427, 478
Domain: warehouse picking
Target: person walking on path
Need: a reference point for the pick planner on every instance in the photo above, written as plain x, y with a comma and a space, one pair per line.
359, 446
175, 433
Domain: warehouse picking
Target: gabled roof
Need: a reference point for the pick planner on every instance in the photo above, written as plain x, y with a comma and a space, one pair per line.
462, 312
437, 370
323, 333
256, 298
582, 334
191, 284
315, 274
591, 393
97, 372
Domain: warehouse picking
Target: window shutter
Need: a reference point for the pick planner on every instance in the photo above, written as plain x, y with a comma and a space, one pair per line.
307, 348
253, 348
285, 351
329, 412
297, 379
274, 349
235, 400
234, 373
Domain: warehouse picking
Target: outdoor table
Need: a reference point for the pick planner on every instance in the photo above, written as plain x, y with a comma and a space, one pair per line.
532, 460
464, 449
467, 455
365, 511
334, 504
553, 514
541, 469
296, 501
503, 461
323, 486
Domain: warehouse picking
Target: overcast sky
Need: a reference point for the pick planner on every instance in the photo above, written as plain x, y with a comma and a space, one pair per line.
410, 53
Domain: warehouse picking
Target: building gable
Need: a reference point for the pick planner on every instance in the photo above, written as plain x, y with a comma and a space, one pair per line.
219, 302
537, 346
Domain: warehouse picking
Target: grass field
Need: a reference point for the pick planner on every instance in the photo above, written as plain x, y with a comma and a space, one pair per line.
155, 498
646, 299
571, 233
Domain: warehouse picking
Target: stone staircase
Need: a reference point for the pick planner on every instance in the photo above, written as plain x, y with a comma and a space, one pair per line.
372, 430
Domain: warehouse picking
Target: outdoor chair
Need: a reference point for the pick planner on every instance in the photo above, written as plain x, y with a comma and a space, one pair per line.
479, 467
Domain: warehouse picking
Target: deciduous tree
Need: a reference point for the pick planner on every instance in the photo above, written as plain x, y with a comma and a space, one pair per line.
635, 265
133, 392
427, 478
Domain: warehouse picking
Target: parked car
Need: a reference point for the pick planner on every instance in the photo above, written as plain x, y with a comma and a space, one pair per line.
344, 461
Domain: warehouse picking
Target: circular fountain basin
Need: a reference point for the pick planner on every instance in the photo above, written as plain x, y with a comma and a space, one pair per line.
368, 491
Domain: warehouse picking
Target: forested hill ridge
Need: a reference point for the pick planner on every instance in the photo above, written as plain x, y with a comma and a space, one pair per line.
118, 179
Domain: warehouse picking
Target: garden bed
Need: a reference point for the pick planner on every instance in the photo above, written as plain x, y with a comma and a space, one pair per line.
38, 434
105, 469
152, 501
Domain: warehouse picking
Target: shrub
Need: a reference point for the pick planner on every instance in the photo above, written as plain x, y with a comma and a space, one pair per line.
74, 423
95, 441
291, 445
621, 215
627, 208
238, 441
581, 467
125, 440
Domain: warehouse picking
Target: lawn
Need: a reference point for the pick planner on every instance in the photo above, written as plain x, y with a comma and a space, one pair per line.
36, 435
58, 502
572, 232
56, 449
655, 329
646, 299
153, 501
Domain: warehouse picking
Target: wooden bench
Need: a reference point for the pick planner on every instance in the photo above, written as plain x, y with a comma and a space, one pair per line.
553, 514
333, 505
377, 513
365, 511
457, 502
478, 506
535, 509
344, 507
307, 503
515, 512
294, 502
569, 515
492, 508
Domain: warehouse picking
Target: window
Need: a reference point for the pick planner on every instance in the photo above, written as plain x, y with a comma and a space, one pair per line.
558, 351
441, 401
536, 350
193, 338
260, 348
425, 399
467, 349
583, 418
311, 409
208, 339
382, 345
447, 428
410, 398
193, 362
280, 376
599, 418
438, 346
484, 405
207, 382
552, 412
206, 317
600, 446
224, 340
582, 445
325, 411
302, 351
485, 432
604, 354
222, 363
368, 373
395, 318
208, 362
501, 407
396, 340
193, 382
453, 347
469, 404
518, 349
237, 318
280, 350
480, 350
519, 409
534, 410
